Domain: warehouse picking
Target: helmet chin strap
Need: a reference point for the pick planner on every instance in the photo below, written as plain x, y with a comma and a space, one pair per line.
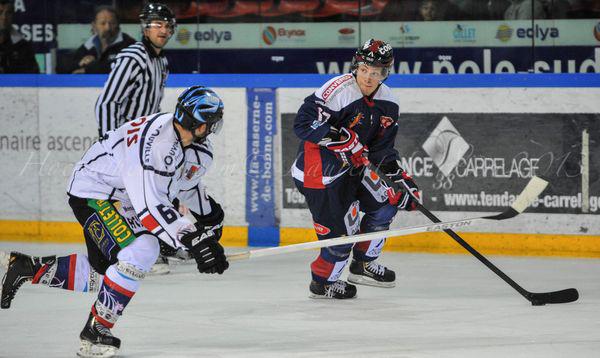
199, 139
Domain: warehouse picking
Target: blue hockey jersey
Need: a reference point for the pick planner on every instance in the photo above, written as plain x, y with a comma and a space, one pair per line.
340, 103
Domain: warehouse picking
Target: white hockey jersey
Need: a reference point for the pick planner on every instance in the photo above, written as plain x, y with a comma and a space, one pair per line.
143, 165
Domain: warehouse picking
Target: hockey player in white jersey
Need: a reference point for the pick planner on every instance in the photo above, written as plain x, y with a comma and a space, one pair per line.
124, 193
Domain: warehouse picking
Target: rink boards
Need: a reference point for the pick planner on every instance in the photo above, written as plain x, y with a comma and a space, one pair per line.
470, 141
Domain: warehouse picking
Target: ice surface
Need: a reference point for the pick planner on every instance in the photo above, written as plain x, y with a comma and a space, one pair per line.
442, 306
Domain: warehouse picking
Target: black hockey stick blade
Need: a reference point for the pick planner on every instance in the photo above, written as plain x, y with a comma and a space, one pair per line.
562, 296
533, 189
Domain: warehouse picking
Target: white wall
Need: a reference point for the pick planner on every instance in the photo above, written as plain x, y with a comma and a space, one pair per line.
33, 181
480, 100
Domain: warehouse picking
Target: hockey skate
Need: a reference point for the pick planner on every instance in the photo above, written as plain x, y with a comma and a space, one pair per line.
97, 341
371, 274
337, 290
161, 266
21, 268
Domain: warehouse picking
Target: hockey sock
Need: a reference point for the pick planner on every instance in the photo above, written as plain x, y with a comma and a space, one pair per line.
368, 250
120, 284
71, 272
328, 267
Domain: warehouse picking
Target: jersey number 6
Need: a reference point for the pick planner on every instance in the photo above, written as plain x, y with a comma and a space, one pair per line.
167, 213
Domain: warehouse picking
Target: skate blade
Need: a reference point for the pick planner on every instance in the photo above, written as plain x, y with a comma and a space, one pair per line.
89, 350
367, 281
4, 259
323, 297
159, 269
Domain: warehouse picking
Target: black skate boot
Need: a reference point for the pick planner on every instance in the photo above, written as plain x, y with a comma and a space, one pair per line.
372, 274
97, 341
21, 268
338, 290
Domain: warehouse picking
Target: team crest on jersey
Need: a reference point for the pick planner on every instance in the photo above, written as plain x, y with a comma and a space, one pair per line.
386, 121
356, 120
321, 230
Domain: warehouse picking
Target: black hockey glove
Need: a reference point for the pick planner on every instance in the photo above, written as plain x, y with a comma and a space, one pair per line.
345, 144
408, 195
206, 250
212, 222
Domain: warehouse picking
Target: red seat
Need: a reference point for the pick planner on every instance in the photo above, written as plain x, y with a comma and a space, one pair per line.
350, 7
326, 9
286, 7
246, 7
212, 7
204, 8
366, 8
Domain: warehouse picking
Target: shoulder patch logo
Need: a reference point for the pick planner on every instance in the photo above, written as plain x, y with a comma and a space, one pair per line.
386, 121
190, 173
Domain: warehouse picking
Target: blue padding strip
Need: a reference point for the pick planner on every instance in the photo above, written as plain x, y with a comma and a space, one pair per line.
52, 80
263, 236
315, 80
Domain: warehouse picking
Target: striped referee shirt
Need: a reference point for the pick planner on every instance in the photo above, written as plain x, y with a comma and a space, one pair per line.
134, 87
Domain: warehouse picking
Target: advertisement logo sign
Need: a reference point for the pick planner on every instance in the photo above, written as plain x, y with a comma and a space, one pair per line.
183, 36
271, 34
406, 36
346, 34
504, 33
445, 146
208, 35
539, 32
463, 33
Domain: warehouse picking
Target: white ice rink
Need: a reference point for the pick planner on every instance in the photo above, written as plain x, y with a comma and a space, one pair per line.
443, 306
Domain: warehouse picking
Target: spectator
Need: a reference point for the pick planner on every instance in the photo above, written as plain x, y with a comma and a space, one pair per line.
557, 9
469, 9
525, 10
430, 10
16, 54
497, 8
404, 10
97, 53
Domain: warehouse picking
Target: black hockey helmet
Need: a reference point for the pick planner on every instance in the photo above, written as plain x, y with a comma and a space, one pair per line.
374, 53
157, 11
199, 105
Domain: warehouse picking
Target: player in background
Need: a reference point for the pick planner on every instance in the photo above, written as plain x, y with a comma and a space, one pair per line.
123, 192
351, 120
136, 84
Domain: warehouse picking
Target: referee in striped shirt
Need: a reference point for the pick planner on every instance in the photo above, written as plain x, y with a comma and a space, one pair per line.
137, 80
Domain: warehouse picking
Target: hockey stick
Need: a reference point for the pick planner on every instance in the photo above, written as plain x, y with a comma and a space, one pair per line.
536, 185
529, 193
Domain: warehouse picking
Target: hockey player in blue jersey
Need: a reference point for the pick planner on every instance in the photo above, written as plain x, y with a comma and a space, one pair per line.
351, 120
